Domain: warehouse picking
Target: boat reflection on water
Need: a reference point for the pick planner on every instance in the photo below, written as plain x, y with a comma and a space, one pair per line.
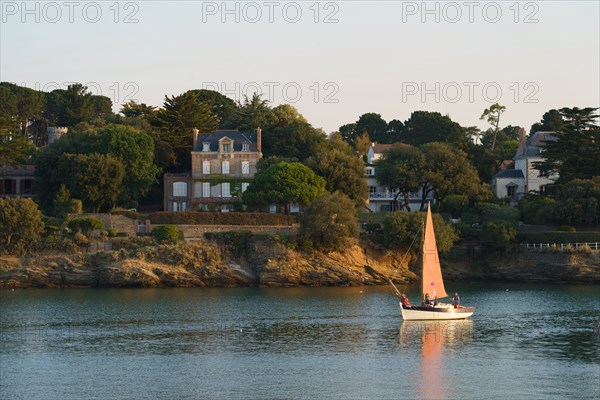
434, 338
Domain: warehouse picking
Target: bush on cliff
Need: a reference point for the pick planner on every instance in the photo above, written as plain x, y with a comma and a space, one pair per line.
21, 225
167, 233
328, 223
85, 225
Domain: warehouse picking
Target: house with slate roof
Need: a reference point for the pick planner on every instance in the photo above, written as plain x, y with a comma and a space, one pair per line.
512, 184
223, 164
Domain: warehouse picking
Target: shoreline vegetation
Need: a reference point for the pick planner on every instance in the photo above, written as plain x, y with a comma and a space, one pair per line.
243, 259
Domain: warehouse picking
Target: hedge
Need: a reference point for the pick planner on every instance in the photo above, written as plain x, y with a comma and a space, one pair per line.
561, 237
218, 218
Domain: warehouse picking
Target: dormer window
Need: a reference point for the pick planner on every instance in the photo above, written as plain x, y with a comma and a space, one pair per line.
226, 147
206, 146
245, 147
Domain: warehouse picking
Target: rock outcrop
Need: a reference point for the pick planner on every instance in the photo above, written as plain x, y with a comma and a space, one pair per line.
265, 261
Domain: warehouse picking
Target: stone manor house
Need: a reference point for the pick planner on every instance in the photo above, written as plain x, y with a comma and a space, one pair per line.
223, 164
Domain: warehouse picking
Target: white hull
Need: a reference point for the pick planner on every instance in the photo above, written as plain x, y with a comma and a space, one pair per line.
439, 312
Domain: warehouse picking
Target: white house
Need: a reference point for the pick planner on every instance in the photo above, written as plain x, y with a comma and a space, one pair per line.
524, 178
381, 198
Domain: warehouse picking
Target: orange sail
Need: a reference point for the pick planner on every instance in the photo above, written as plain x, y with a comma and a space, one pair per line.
432, 271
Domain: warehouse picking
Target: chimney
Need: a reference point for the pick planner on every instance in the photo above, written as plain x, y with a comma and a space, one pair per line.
522, 142
195, 134
259, 139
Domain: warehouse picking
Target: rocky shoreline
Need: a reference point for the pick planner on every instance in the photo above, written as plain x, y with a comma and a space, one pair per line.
265, 261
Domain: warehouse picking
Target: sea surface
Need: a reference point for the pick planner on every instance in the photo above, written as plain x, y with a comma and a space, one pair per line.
524, 342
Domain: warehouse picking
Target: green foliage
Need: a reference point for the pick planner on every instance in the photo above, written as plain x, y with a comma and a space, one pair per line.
21, 225
112, 232
534, 208
578, 203
221, 106
81, 240
342, 169
63, 204
426, 127
85, 225
492, 116
329, 222
167, 233
576, 152
15, 152
296, 140
176, 120
400, 169
96, 179
253, 113
218, 218
124, 157
401, 228
284, 184
455, 204
498, 234
493, 212
448, 171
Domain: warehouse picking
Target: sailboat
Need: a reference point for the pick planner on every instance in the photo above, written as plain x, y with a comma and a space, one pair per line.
432, 285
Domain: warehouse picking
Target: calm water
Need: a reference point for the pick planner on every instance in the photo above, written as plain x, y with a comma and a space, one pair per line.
532, 341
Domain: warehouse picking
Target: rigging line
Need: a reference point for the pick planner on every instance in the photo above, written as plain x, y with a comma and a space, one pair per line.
407, 251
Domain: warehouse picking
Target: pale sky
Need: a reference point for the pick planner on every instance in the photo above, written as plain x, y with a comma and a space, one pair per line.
332, 60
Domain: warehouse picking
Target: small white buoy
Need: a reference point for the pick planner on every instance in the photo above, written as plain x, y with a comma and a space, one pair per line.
507, 290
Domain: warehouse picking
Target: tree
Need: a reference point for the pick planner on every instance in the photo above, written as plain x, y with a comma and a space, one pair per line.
133, 149
362, 144
492, 116
21, 225
374, 125
552, 121
400, 169
253, 113
578, 203
448, 171
296, 140
96, 179
498, 234
342, 169
575, 154
63, 203
16, 151
401, 229
329, 222
286, 114
283, 184
177, 118
133, 109
426, 127
221, 106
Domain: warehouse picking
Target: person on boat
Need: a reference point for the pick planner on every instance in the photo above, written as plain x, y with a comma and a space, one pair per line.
456, 300
435, 301
427, 301
404, 301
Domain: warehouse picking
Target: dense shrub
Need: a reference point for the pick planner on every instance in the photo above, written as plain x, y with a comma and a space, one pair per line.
167, 233
329, 222
534, 209
85, 224
218, 218
493, 212
498, 234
